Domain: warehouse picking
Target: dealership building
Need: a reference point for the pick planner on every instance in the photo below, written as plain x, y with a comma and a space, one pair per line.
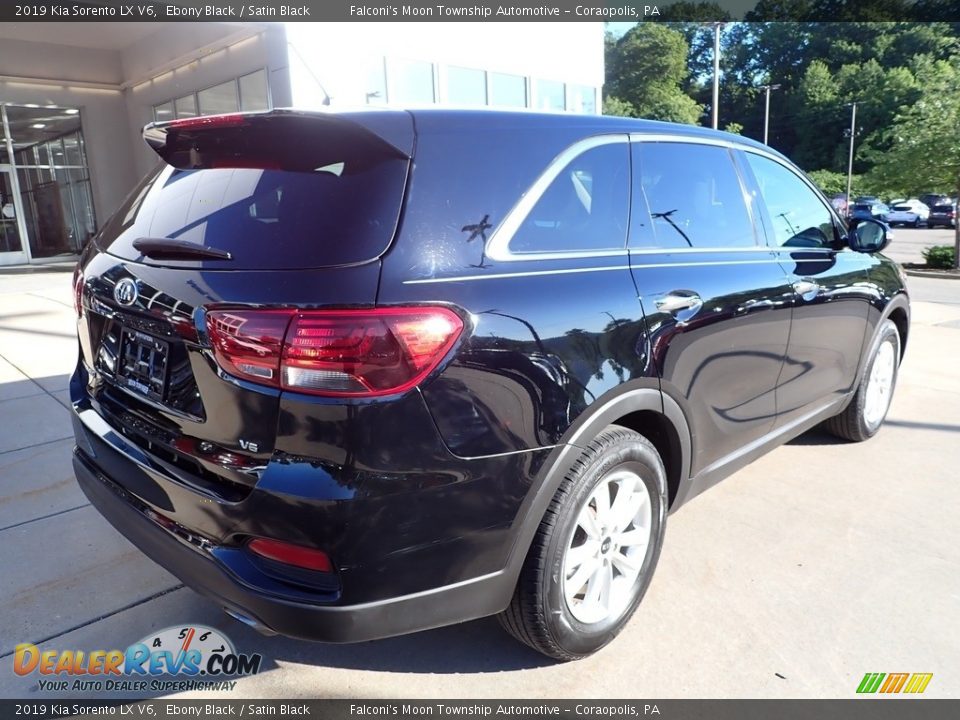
74, 96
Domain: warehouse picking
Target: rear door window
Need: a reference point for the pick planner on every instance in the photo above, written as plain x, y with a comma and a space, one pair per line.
694, 196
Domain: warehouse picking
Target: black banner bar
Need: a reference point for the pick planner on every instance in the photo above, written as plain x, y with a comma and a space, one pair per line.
480, 10
854, 709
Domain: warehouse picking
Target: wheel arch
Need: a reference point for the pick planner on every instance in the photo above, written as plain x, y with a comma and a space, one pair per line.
642, 409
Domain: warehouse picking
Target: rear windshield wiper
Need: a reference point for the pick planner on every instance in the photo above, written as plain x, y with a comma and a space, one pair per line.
173, 249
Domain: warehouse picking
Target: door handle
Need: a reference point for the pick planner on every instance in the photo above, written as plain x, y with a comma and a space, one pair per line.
678, 301
807, 289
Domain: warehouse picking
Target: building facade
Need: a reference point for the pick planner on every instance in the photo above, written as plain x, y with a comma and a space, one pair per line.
75, 96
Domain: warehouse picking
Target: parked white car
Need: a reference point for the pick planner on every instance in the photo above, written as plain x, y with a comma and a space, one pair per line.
908, 212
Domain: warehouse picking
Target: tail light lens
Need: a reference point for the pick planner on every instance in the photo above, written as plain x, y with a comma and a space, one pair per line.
337, 353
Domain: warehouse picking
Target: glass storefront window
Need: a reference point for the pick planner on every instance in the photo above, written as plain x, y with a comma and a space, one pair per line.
52, 179
508, 90
163, 112
550, 95
583, 99
248, 93
253, 92
186, 106
466, 86
218, 99
376, 92
411, 82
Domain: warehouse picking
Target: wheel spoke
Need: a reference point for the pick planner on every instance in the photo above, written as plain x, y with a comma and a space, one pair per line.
588, 521
601, 499
628, 504
625, 564
579, 578
598, 587
576, 556
639, 536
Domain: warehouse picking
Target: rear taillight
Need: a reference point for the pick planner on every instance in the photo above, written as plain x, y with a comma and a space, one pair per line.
78, 291
339, 353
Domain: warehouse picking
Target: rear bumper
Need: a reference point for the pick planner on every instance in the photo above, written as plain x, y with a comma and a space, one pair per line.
200, 569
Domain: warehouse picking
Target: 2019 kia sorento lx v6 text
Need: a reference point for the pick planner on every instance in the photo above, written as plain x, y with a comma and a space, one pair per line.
356, 375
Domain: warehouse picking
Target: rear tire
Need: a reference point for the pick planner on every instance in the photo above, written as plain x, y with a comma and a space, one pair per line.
867, 410
595, 551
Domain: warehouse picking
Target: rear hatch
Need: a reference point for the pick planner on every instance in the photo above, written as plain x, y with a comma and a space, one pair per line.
189, 291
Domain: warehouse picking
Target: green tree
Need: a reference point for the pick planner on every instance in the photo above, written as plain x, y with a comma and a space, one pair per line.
645, 70
924, 141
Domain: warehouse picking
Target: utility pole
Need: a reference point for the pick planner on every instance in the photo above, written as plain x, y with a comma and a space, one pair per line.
716, 73
853, 133
766, 114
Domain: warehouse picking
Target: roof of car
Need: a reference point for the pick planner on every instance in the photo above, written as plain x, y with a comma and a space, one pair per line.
589, 123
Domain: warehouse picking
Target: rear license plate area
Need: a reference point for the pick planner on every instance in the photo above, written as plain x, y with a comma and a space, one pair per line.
142, 364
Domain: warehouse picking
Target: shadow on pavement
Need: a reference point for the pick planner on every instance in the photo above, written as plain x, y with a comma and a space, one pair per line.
479, 646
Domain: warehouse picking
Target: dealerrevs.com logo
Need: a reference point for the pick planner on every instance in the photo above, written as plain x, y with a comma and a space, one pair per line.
192, 657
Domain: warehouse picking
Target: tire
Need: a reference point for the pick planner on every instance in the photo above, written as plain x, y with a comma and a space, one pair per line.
916, 223
864, 415
548, 612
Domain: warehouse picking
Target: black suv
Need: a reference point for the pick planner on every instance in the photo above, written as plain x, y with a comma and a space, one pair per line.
356, 375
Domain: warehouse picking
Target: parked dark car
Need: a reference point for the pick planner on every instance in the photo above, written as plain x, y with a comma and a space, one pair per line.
944, 214
933, 199
869, 210
356, 375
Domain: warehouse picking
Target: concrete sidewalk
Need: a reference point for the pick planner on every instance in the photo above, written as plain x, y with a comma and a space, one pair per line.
818, 563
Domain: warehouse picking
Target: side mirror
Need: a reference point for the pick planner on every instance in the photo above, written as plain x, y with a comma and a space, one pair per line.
869, 236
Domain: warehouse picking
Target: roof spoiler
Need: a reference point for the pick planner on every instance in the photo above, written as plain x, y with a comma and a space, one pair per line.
282, 140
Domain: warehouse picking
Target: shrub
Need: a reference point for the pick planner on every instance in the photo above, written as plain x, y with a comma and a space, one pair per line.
939, 256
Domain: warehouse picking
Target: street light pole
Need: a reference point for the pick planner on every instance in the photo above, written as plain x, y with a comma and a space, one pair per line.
766, 114
716, 73
853, 132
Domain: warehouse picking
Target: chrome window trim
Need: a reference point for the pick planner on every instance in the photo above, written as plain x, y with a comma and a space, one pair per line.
498, 246
600, 268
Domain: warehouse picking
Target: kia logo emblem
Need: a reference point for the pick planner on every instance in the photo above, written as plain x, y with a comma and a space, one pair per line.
125, 292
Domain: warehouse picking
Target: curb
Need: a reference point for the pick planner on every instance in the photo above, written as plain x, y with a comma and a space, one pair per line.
31, 269
932, 274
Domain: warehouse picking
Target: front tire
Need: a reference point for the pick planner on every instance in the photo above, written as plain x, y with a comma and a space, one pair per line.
595, 551
867, 410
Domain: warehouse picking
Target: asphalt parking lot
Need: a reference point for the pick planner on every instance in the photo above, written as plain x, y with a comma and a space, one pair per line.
816, 564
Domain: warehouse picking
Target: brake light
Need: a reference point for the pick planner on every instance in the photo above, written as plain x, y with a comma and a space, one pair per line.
78, 291
290, 554
208, 122
337, 353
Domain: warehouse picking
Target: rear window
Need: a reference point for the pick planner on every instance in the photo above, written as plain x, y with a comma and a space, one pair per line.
276, 191
943, 208
903, 208
861, 208
266, 219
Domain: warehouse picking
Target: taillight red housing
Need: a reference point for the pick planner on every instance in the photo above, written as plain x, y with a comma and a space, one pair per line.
335, 353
